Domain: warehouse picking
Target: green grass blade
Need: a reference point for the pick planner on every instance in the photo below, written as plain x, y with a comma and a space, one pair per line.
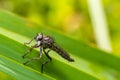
19, 71
89, 62
79, 49
15, 51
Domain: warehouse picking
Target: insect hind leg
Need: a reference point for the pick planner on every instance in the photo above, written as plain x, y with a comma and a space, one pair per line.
50, 59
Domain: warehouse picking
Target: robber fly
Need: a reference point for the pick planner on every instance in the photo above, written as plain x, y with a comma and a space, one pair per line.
46, 42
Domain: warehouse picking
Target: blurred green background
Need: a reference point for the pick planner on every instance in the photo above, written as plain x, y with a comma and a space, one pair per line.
68, 16
71, 17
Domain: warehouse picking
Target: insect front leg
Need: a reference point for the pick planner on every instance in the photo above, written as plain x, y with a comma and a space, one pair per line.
35, 46
35, 58
29, 41
50, 59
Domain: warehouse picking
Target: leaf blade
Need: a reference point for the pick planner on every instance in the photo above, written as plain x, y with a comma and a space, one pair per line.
76, 48
19, 71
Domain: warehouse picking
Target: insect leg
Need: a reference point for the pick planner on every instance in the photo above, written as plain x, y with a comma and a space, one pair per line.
41, 52
29, 41
50, 59
35, 46
35, 58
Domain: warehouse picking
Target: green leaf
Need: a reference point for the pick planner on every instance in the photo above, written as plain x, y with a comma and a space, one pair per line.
18, 71
15, 51
90, 63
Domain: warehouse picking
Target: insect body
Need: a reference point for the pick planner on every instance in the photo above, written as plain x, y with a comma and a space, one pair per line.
47, 42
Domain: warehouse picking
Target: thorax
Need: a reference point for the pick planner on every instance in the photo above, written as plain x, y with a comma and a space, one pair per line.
47, 42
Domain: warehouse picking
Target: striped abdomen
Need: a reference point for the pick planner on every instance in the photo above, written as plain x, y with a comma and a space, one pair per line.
61, 52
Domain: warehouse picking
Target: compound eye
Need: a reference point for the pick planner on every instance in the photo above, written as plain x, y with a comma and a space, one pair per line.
40, 36
39, 39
